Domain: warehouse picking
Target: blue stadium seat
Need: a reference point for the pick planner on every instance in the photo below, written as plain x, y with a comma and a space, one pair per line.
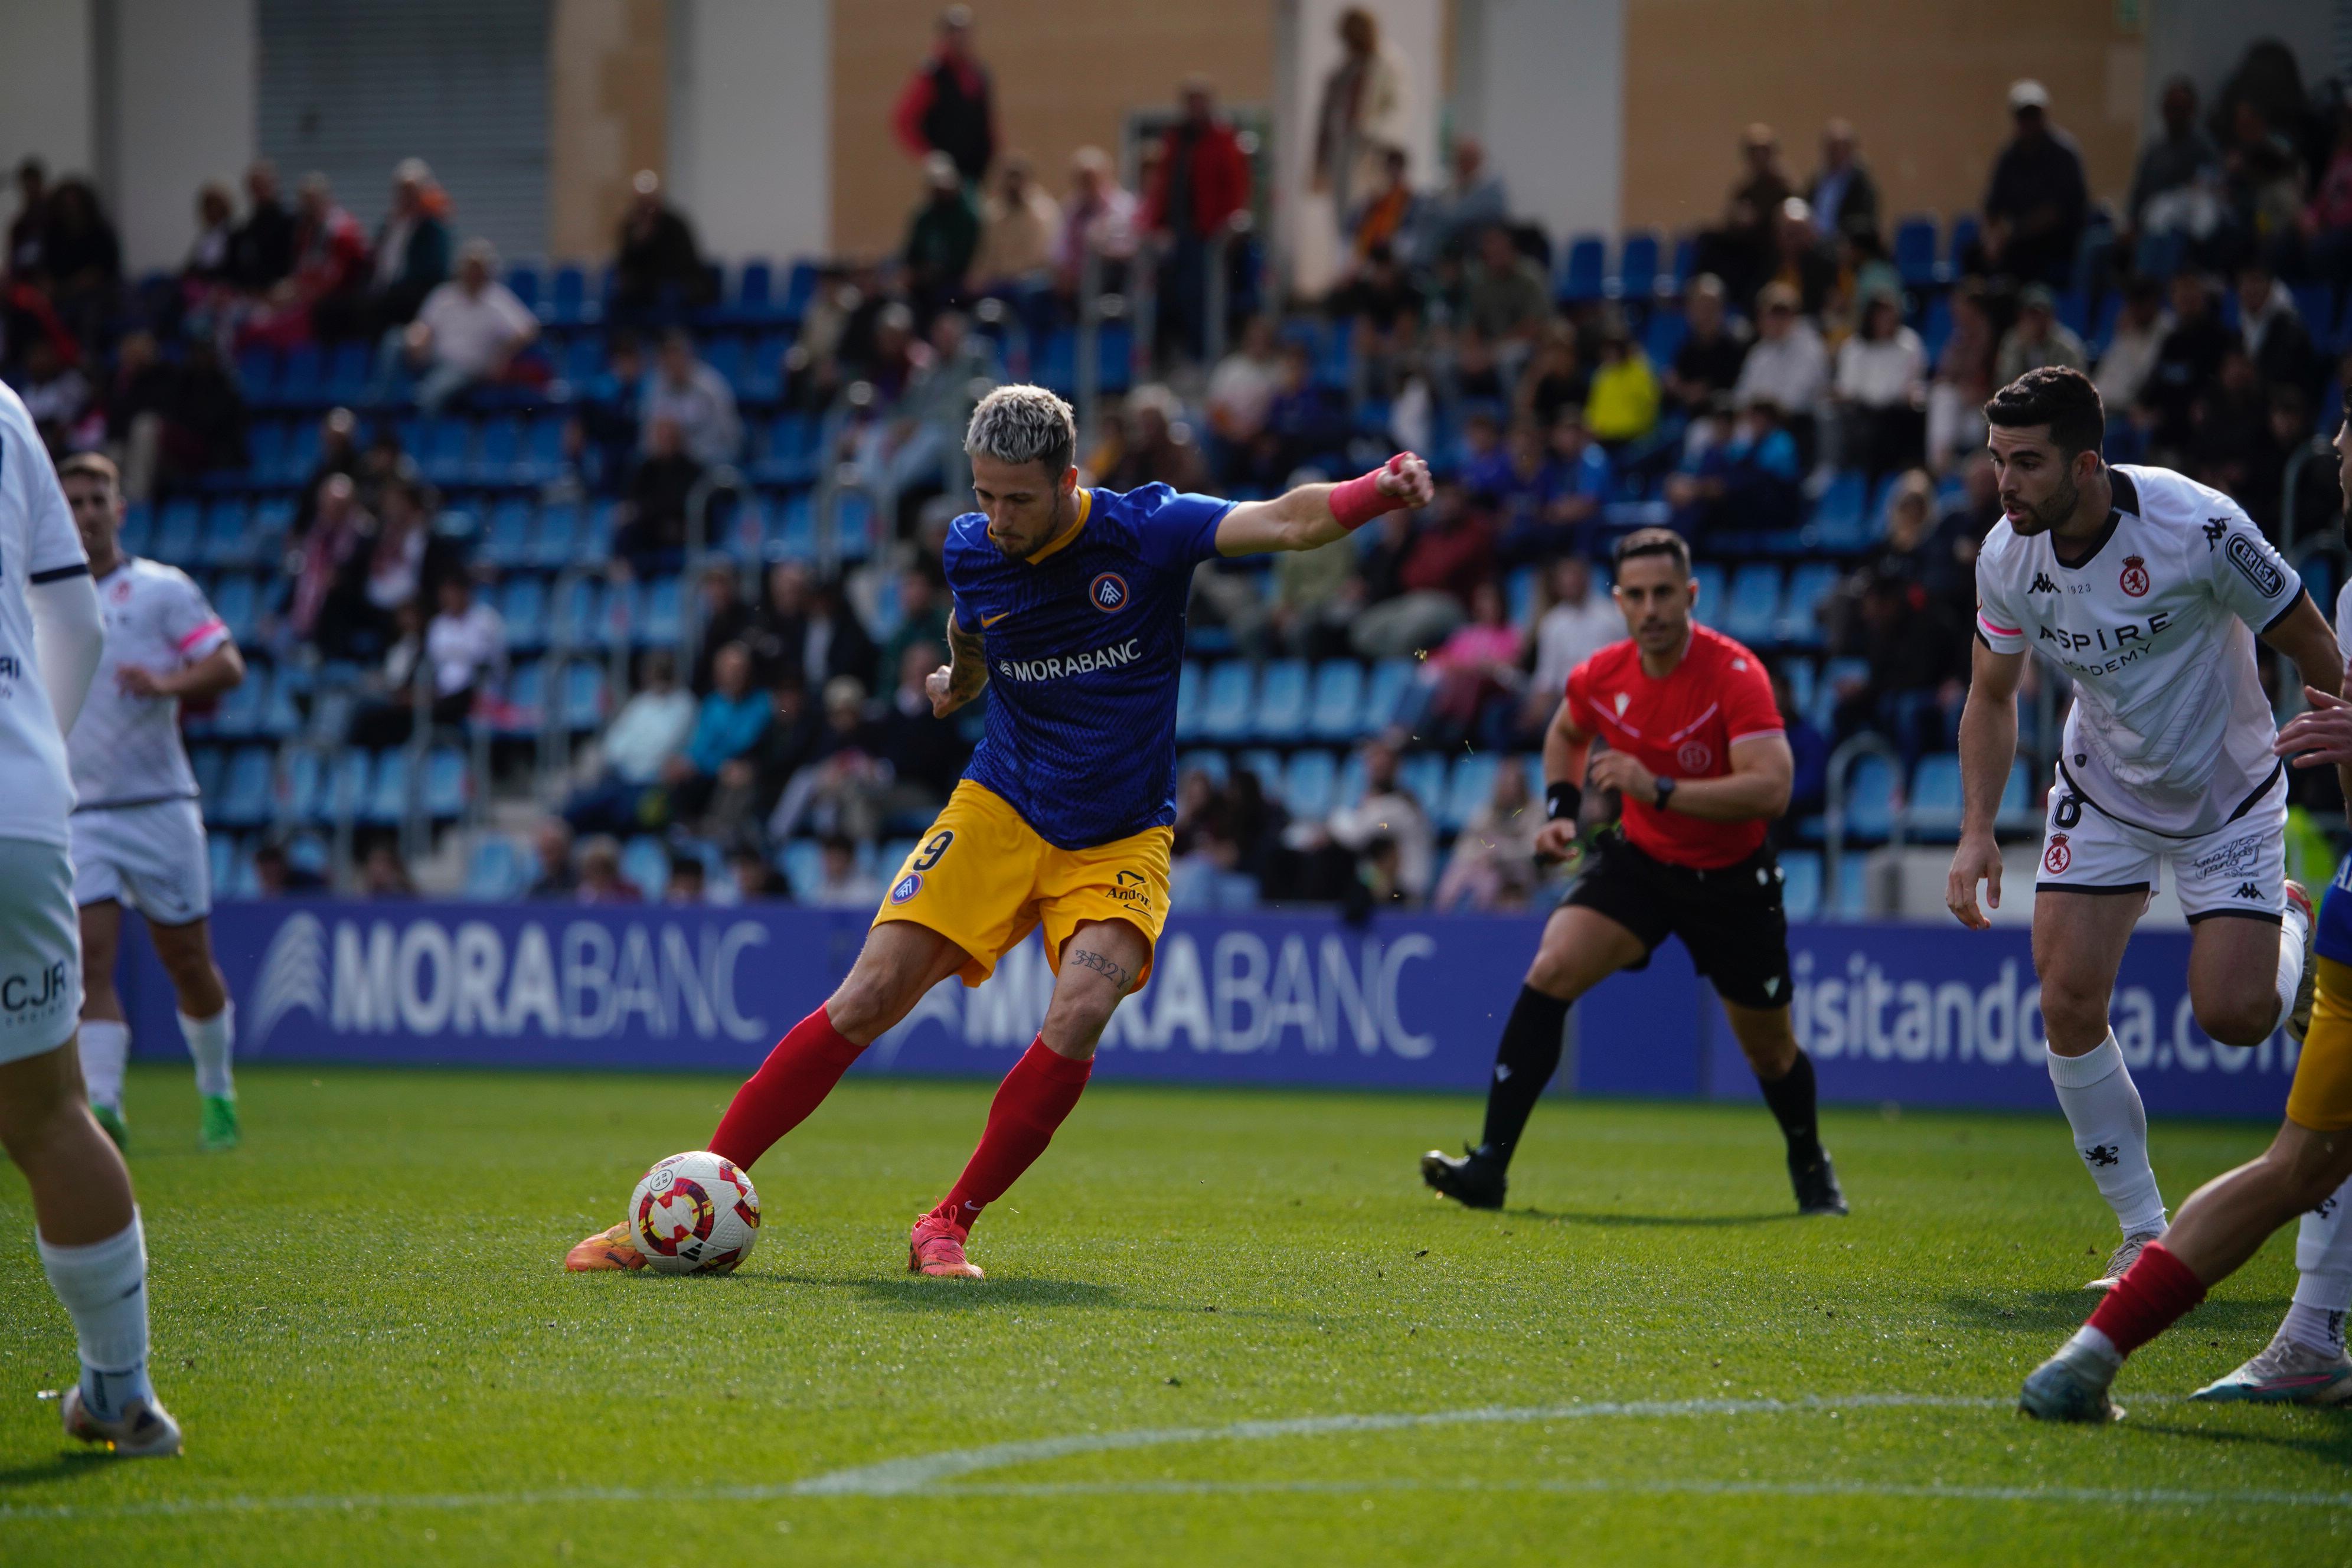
238, 602
1800, 674
265, 448
1384, 694
1336, 701
1714, 597
137, 526
498, 460
1853, 887
1934, 808
646, 862
725, 355
498, 870
1225, 706
346, 782
526, 698
1471, 785
755, 290
447, 783
209, 764
220, 861
580, 703
763, 369
576, 618
1810, 584
1580, 279
302, 376
507, 541
541, 460
1637, 269
522, 605
1308, 783
1189, 682
1963, 239
789, 454
386, 801
567, 304
1282, 701
1915, 255
1204, 761
2022, 800
660, 618
1662, 336
301, 453
799, 289
522, 282
244, 796
1801, 884
281, 714
1421, 774
1839, 521
1349, 789
1753, 611
1870, 801
1685, 262
445, 455
348, 374
272, 520
257, 375
1837, 673
177, 531
1263, 762
1936, 326
2316, 304
225, 540
594, 539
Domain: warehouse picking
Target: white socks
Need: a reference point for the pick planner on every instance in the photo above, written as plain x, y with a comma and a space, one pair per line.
105, 1046
2293, 931
2102, 1105
2323, 1251
209, 1041
104, 1289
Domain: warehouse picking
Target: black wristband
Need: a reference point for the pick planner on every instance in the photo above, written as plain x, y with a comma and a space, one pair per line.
1561, 801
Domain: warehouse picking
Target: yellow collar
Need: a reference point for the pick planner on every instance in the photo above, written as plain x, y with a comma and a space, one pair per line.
1085, 510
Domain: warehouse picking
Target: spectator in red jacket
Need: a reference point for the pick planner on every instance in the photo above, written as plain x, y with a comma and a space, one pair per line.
947, 105
1200, 183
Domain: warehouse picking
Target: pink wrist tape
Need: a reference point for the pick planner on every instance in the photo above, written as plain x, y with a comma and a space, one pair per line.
1358, 501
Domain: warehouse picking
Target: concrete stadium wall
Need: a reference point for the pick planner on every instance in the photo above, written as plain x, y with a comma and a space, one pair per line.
750, 90
47, 104
181, 112
1541, 83
1925, 83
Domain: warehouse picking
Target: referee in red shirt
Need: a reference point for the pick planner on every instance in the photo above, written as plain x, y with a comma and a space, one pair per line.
1696, 749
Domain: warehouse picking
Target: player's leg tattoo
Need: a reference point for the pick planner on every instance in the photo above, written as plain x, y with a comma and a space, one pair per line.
1101, 963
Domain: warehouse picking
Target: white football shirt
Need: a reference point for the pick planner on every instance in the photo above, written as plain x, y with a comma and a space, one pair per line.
2156, 626
37, 544
125, 749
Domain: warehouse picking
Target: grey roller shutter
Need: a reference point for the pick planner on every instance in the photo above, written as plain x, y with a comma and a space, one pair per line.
352, 86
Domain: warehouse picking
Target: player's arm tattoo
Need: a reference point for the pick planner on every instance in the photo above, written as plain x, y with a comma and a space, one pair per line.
1097, 962
967, 662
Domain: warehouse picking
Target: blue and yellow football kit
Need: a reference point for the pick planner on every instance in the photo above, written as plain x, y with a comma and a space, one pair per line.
2321, 1097
1064, 814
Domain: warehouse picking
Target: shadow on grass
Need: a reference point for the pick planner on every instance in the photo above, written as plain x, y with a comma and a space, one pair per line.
911, 1293
2333, 1447
1606, 1218
2063, 1311
83, 1464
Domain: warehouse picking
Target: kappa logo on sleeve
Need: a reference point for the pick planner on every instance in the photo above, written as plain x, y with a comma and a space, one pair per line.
2255, 565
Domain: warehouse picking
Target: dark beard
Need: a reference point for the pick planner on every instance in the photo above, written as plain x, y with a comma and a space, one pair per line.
2061, 507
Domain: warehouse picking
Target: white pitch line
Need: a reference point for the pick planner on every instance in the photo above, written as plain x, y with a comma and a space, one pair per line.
926, 1473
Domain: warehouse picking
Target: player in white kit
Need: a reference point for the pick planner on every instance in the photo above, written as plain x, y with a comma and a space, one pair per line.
2147, 590
138, 831
86, 1221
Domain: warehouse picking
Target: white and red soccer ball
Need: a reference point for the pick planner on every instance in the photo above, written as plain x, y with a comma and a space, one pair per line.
694, 1214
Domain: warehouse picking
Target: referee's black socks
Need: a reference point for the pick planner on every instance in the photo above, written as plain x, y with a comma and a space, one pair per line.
1524, 1063
1791, 1096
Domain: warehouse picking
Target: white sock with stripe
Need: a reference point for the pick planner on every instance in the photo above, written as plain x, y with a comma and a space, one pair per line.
2323, 1251
104, 1045
104, 1289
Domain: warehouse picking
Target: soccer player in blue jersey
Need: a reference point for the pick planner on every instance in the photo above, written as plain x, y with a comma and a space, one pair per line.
1070, 603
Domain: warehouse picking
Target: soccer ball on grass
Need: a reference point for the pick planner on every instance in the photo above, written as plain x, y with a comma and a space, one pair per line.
694, 1214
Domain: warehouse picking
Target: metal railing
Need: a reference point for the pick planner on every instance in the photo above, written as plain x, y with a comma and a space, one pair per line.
1833, 828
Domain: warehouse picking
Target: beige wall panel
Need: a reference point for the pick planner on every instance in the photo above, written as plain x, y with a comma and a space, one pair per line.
1065, 76
1923, 81
608, 97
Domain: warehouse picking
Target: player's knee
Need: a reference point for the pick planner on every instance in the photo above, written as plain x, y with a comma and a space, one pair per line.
866, 1003
2075, 1012
2240, 1020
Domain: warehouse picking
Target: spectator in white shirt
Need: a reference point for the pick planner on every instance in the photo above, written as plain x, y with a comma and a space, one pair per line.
651, 728
685, 389
1242, 387
1579, 624
468, 331
463, 654
840, 884
1389, 815
2140, 330
1789, 367
1881, 391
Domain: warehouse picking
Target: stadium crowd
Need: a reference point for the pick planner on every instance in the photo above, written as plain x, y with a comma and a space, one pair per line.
1793, 386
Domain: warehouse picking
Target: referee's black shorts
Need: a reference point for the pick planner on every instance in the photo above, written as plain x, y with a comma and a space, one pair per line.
1729, 918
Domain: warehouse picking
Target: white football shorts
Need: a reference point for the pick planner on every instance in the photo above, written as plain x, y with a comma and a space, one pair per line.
41, 950
2239, 868
151, 857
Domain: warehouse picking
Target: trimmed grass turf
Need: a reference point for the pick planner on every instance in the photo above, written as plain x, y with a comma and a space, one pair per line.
363, 1303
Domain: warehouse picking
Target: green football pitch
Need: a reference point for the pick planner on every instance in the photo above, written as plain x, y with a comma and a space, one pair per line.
1219, 1328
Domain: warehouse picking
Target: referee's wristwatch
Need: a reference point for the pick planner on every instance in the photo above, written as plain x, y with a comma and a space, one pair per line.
1665, 788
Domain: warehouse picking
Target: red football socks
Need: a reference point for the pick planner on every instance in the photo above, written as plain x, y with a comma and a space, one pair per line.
1030, 1104
2154, 1294
794, 1080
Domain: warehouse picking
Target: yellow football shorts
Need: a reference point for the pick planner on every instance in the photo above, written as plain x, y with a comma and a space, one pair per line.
2321, 1097
985, 880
